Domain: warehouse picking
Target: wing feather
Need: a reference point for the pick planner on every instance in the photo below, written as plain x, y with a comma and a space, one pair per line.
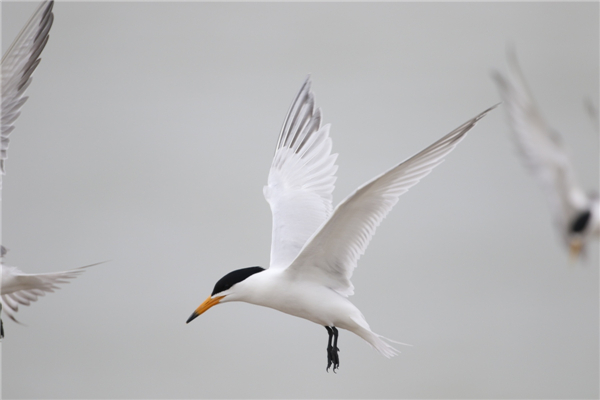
331, 255
17, 66
301, 179
19, 288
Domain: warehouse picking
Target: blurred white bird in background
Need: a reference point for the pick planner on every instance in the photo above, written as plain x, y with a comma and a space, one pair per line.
576, 214
314, 248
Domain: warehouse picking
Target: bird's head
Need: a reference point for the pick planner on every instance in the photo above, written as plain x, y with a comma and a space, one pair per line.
578, 229
224, 288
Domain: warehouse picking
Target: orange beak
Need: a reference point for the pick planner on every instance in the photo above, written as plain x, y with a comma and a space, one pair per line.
208, 303
575, 246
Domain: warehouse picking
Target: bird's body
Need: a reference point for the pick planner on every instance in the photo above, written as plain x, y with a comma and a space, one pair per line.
280, 290
315, 248
576, 214
276, 289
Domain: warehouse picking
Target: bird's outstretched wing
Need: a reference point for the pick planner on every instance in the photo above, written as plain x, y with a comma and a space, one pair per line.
21, 288
17, 65
331, 255
539, 145
301, 179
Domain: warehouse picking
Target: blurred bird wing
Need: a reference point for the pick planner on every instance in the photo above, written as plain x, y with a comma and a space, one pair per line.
592, 111
595, 210
301, 179
331, 255
17, 66
540, 146
21, 288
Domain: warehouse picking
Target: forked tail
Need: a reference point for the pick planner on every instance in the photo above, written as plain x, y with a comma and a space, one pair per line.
378, 342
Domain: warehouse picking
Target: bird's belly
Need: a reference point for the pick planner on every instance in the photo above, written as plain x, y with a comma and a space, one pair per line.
318, 304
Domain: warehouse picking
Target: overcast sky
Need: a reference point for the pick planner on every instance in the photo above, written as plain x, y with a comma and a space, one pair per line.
147, 140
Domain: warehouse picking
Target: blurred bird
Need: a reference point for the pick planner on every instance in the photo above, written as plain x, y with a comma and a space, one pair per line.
20, 288
17, 66
576, 214
315, 249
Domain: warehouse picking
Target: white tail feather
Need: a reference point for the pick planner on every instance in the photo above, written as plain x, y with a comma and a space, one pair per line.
376, 341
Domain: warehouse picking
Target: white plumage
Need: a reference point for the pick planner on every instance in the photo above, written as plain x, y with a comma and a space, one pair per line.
314, 250
19, 288
576, 214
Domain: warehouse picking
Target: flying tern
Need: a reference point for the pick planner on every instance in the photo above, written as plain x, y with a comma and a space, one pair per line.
576, 213
314, 248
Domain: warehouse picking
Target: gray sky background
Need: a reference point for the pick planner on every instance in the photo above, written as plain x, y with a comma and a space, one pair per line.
147, 140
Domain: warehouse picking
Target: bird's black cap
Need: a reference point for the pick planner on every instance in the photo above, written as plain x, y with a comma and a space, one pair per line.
234, 277
580, 222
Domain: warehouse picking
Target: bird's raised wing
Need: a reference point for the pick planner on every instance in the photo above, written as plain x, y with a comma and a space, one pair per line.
21, 288
539, 145
301, 179
18, 63
331, 255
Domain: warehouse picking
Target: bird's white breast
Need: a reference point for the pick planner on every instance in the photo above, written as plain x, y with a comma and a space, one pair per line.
309, 300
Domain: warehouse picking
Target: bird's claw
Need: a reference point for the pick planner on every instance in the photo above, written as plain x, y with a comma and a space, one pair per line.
333, 358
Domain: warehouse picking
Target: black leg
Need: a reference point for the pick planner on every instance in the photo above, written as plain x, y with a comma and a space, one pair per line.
336, 358
1, 326
330, 332
332, 350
